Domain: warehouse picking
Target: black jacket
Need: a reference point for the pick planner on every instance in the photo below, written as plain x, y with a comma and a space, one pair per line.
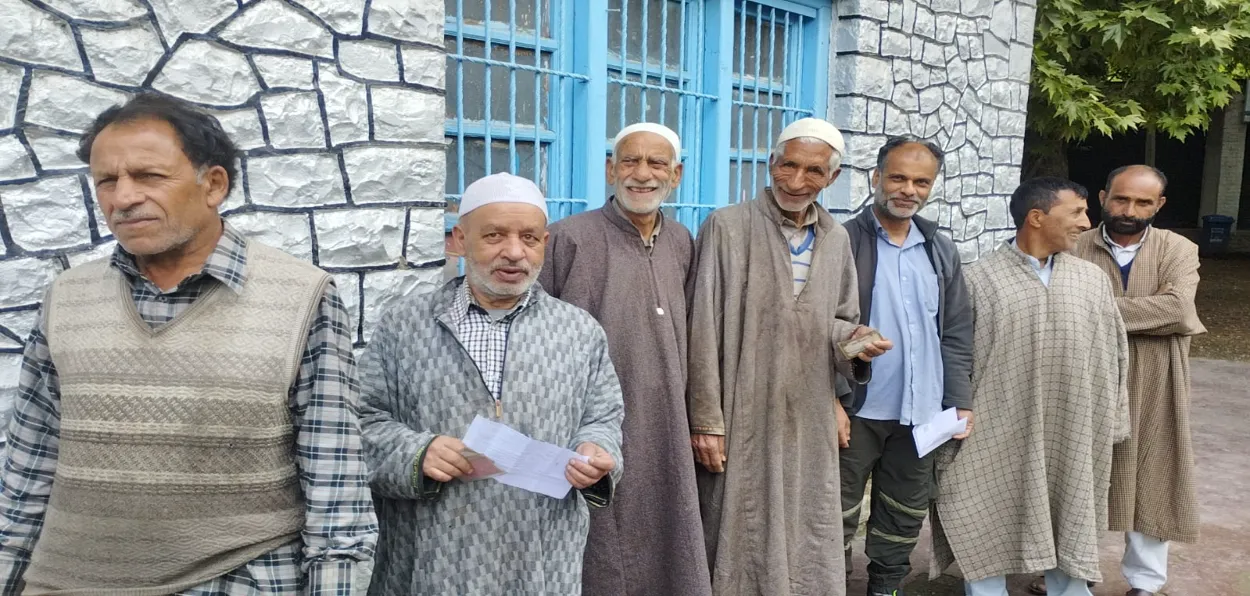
954, 308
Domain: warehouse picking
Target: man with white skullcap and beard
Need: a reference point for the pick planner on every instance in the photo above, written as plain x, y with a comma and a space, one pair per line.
491, 344
628, 266
775, 291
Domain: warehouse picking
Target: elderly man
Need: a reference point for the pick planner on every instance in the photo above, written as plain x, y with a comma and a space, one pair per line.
1027, 492
774, 292
1154, 276
911, 288
629, 267
186, 419
491, 344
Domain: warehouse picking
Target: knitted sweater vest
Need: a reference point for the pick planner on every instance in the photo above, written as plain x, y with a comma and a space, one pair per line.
176, 459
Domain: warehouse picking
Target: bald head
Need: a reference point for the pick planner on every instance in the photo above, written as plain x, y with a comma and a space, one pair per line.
1138, 170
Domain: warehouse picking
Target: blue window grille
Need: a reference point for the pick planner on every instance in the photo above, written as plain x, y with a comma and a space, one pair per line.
539, 88
509, 84
655, 71
774, 83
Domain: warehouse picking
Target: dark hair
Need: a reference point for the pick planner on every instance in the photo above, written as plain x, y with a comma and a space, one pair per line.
893, 143
1163, 179
199, 133
1041, 194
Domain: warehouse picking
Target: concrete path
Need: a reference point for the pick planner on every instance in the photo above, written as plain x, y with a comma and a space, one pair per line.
1219, 564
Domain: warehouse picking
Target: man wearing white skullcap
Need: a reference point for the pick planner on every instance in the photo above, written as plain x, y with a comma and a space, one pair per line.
628, 265
775, 291
494, 345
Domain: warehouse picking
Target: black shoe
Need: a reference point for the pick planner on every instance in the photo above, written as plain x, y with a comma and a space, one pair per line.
896, 592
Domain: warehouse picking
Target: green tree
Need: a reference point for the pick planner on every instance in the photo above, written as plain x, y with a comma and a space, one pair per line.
1109, 66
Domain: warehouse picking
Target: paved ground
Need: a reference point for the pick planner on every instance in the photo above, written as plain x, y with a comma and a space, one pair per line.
1219, 564
1221, 301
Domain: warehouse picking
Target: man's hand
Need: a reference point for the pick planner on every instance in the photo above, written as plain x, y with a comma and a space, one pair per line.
965, 415
585, 474
844, 426
443, 461
709, 450
873, 349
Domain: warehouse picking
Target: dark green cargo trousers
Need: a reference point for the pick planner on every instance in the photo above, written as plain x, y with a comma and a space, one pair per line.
902, 488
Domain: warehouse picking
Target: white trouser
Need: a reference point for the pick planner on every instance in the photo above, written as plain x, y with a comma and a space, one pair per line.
1145, 563
1057, 584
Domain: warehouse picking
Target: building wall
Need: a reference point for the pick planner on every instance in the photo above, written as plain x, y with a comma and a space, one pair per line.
337, 105
953, 71
339, 108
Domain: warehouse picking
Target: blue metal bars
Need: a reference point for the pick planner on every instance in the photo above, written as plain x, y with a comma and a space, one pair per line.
504, 83
769, 64
539, 87
656, 61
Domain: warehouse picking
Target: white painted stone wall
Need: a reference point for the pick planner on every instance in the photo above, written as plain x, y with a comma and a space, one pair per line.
952, 71
338, 111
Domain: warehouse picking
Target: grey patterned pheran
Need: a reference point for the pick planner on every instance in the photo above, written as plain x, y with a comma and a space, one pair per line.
482, 537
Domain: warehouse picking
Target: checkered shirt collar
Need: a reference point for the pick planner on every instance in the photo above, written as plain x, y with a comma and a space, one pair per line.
227, 263
464, 301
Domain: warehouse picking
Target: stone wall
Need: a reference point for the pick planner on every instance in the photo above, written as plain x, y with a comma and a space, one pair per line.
953, 71
336, 104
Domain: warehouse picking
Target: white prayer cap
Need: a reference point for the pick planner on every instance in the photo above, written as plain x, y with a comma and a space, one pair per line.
658, 129
501, 188
815, 128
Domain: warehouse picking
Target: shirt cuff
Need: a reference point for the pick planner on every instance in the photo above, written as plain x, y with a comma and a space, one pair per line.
427, 488
599, 494
332, 578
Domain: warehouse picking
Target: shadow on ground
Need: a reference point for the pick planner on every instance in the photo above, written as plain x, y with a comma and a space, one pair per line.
1219, 564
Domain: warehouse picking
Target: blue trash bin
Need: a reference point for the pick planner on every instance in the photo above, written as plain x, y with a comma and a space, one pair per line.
1217, 232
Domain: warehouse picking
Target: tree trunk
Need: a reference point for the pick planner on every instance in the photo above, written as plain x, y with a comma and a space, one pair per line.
1151, 145
1044, 156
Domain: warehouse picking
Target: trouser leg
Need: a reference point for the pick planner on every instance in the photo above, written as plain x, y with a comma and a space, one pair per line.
990, 586
1059, 583
901, 489
856, 463
1145, 563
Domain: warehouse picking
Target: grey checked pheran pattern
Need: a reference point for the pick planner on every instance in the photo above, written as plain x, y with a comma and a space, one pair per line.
482, 537
1027, 490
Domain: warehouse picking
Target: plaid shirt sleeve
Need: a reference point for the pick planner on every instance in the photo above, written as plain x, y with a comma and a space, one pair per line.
31, 455
340, 530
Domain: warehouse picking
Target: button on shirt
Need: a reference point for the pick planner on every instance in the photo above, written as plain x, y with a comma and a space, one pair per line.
907, 382
484, 335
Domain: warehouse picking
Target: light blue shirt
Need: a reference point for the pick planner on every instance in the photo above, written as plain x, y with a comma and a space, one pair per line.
907, 382
1042, 270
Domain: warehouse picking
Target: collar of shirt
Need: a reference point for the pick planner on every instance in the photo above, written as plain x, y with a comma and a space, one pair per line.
1038, 266
655, 232
914, 235
1116, 248
794, 233
227, 263
464, 303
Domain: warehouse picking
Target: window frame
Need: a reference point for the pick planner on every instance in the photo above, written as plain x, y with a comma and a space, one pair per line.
581, 69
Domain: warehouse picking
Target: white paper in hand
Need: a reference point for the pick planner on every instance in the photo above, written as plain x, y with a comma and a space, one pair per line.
528, 464
940, 429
